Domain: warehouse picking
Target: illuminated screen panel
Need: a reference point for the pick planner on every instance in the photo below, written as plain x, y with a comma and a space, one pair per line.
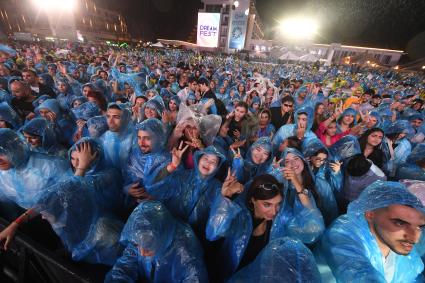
208, 27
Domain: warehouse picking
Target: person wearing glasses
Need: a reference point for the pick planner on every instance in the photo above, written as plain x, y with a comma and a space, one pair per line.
327, 176
254, 218
284, 114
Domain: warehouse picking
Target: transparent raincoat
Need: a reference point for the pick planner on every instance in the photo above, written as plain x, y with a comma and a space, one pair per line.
177, 254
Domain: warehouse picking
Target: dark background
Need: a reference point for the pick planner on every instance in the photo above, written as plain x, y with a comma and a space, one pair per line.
394, 24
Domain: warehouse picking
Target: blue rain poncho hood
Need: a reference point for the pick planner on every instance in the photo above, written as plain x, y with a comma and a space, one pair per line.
9, 115
86, 232
50, 104
382, 194
311, 146
156, 103
41, 127
13, 147
348, 112
378, 117
310, 116
246, 169
150, 226
86, 111
282, 260
96, 164
346, 147
399, 127
81, 99
126, 124
417, 154
97, 126
37, 102
156, 131
209, 150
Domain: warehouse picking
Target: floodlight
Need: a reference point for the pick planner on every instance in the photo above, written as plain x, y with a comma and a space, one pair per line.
236, 3
299, 28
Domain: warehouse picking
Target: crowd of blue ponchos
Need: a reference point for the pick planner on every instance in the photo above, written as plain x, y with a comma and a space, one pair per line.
168, 236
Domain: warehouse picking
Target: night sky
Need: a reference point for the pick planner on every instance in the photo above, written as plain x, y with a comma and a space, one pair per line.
395, 24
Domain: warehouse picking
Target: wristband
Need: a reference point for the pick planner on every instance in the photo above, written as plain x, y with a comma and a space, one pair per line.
21, 219
173, 167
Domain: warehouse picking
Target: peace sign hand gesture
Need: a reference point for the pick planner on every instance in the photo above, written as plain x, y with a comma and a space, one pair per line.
231, 185
276, 163
177, 153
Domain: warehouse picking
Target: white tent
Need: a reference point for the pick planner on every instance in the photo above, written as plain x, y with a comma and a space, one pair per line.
289, 56
158, 44
308, 58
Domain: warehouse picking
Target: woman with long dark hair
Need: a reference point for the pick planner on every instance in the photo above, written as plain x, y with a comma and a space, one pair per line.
261, 214
370, 144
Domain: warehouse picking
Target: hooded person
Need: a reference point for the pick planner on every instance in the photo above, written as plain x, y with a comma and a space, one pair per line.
96, 126
81, 115
193, 190
8, 117
414, 167
153, 108
397, 138
42, 138
263, 213
148, 157
301, 128
103, 180
257, 161
118, 140
62, 125
158, 248
328, 177
347, 120
375, 240
25, 174
65, 94
74, 212
282, 260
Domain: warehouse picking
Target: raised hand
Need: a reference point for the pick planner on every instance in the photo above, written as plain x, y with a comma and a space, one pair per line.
236, 154
177, 153
85, 156
335, 166
276, 163
231, 186
237, 144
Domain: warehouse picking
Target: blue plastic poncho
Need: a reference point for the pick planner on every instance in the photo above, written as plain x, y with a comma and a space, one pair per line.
191, 195
177, 254
410, 169
346, 147
143, 167
9, 115
350, 249
62, 125
49, 142
232, 220
282, 260
328, 183
86, 111
105, 182
65, 98
87, 233
97, 126
31, 172
287, 131
347, 112
117, 145
246, 169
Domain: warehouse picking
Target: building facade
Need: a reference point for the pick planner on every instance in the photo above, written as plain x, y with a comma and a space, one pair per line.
84, 20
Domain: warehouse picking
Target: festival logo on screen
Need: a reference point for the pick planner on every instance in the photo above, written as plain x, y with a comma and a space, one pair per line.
238, 25
208, 29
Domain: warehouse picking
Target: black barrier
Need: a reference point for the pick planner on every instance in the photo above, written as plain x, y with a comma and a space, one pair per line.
28, 261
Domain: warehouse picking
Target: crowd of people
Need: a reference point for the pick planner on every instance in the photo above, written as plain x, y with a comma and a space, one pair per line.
174, 166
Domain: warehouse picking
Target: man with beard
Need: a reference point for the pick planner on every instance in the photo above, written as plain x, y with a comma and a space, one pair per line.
375, 240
